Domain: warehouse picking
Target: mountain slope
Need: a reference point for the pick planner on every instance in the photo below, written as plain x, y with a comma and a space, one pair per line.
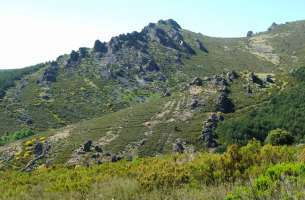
126, 70
143, 93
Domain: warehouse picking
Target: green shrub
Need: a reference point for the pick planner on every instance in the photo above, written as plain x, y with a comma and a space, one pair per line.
281, 181
23, 133
279, 137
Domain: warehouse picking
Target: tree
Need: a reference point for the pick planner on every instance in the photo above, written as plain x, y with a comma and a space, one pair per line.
279, 137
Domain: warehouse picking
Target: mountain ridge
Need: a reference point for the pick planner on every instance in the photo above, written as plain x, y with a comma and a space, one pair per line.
143, 92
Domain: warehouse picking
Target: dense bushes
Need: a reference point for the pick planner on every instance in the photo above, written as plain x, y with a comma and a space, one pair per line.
279, 137
23, 133
165, 174
282, 181
285, 111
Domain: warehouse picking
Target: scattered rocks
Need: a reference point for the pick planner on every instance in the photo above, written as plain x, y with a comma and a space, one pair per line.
88, 147
218, 80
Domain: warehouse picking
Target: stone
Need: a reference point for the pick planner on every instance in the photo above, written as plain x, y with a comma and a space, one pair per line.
167, 93
269, 79
38, 149
87, 146
255, 79
115, 158
98, 149
194, 103
178, 146
197, 81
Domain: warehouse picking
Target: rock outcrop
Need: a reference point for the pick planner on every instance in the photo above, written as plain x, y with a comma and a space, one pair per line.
224, 104
74, 59
209, 126
50, 73
100, 47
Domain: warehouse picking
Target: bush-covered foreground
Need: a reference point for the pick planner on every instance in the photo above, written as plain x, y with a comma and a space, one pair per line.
252, 171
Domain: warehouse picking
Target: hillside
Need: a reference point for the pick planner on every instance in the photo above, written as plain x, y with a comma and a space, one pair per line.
160, 90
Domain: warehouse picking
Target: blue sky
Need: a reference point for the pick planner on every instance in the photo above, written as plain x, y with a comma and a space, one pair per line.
34, 31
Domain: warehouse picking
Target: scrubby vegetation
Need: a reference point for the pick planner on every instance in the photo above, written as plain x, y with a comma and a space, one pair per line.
179, 176
17, 135
284, 110
8, 77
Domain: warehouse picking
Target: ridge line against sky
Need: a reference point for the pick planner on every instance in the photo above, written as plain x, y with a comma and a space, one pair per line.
35, 31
